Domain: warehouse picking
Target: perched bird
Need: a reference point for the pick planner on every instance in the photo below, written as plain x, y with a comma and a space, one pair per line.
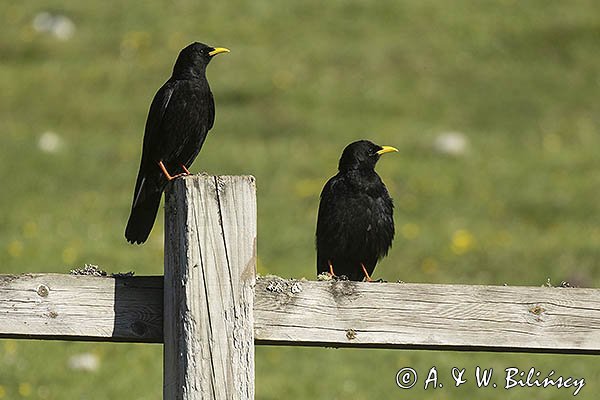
180, 116
355, 224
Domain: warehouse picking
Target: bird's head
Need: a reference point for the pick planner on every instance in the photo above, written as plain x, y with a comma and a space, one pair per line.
362, 154
195, 57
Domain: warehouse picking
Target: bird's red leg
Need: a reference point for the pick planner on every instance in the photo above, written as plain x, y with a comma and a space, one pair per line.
330, 269
187, 171
366, 273
164, 170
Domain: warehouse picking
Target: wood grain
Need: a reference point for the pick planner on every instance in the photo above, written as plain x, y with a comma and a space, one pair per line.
210, 259
426, 316
309, 313
71, 307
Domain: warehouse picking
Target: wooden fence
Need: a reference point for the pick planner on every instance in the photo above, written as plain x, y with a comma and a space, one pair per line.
210, 309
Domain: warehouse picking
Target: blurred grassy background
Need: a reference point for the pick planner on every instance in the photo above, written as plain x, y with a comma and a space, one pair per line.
519, 81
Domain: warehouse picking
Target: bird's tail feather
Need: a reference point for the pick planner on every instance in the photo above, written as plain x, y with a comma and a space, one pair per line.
142, 217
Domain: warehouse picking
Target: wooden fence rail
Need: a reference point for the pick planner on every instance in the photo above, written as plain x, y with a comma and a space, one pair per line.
209, 309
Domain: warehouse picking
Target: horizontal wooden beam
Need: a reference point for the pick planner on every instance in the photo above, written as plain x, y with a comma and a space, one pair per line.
309, 313
74, 307
426, 316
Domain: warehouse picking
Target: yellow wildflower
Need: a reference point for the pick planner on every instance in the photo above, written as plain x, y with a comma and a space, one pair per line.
410, 231
24, 389
15, 248
462, 241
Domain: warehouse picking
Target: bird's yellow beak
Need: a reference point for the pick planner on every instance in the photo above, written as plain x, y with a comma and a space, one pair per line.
218, 50
386, 149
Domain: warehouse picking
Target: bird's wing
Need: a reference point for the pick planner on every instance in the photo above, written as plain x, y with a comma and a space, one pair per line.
211, 117
156, 113
330, 220
383, 229
185, 123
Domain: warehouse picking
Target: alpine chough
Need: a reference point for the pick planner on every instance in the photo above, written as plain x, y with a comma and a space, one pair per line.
355, 224
180, 116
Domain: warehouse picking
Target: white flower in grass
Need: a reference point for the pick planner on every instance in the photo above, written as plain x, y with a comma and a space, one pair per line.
50, 142
84, 362
60, 26
451, 143
63, 28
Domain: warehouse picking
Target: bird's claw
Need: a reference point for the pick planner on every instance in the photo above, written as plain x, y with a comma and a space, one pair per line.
170, 178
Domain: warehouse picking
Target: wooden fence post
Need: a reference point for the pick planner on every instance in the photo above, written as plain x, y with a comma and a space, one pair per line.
210, 258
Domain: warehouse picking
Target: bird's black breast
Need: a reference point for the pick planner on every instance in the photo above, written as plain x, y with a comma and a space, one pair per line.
355, 223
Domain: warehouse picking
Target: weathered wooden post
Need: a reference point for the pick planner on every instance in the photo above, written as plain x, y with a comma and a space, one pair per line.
210, 258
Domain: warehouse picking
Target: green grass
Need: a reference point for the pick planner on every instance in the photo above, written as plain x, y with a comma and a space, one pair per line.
519, 79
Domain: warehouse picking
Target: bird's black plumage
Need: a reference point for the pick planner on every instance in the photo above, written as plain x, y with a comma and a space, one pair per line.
355, 223
180, 116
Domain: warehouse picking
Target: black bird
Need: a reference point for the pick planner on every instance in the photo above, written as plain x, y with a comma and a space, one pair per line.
180, 116
355, 225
